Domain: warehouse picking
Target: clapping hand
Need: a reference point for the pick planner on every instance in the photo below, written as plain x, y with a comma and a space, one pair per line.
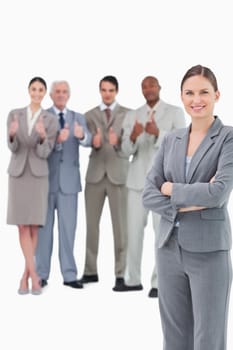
97, 139
137, 130
63, 134
78, 131
40, 128
14, 125
151, 127
112, 137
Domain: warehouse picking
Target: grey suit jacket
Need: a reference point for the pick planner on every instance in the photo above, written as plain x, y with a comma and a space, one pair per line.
199, 231
168, 117
28, 147
64, 167
107, 159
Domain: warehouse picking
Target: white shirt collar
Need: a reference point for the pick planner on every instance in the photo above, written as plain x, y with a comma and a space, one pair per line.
154, 108
103, 106
57, 111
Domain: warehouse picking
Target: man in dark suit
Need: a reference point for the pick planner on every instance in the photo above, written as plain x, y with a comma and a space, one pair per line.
106, 177
64, 185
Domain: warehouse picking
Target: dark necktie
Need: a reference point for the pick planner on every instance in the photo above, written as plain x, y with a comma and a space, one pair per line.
108, 113
61, 119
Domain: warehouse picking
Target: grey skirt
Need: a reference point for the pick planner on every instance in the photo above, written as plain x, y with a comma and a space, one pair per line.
27, 199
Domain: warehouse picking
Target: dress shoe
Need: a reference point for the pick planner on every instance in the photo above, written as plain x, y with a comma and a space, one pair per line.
153, 293
36, 291
89, 279
118, 283
23, 291
74, 284
43, 283
23, 288
125, 288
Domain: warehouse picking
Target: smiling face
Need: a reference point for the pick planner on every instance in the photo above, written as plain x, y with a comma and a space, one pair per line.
37, 92
108, 92
151, 90
60, 94
199, 97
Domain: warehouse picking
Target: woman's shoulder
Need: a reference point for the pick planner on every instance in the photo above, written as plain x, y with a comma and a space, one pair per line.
20, 110
177, 133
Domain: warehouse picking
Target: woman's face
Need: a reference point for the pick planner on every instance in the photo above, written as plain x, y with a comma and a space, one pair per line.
199, 97
37, 92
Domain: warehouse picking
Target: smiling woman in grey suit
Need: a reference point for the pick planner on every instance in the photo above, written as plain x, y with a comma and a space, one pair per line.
189, 186
31, 134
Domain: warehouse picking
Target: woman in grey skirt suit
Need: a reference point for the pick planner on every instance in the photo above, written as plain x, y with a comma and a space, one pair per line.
31, 134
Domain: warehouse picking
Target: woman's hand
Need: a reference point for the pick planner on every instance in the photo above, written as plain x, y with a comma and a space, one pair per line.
166, 188
41, 129
14, 125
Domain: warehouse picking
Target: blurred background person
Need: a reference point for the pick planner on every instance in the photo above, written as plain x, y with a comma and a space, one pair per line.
31, 133
105, 177
143, 131
64, 186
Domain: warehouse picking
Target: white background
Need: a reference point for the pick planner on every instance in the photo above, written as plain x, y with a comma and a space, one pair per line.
81, 41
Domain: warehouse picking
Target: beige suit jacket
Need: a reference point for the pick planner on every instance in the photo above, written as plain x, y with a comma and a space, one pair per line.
26, 146
107, 160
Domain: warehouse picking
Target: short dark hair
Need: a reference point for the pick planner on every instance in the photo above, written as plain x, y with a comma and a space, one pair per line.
200, 70
41, 80
111, 79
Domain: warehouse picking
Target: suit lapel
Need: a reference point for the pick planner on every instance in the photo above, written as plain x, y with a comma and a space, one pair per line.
205, 145
160, 111
24, 124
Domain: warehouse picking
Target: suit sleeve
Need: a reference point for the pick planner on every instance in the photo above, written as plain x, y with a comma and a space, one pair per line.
127, 146
210, 195
152, 198
13, 145
87, 141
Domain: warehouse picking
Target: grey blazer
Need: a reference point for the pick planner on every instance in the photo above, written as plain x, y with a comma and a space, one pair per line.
64, 167
199, 231
107, 159
26, 147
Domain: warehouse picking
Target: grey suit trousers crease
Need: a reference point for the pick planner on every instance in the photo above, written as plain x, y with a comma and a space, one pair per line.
136, 224
95, 195
189, 285
66, 205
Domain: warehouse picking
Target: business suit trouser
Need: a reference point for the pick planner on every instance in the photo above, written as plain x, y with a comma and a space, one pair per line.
66, 206
136, 223
95, 195
194, 291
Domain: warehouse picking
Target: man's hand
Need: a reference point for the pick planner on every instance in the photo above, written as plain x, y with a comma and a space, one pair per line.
63, 134
112, 137
78, 131
151, 127
97, 139
137, 130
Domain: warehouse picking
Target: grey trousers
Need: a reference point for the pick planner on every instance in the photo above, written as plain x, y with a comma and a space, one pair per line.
66, 206
194, 291
136, 223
